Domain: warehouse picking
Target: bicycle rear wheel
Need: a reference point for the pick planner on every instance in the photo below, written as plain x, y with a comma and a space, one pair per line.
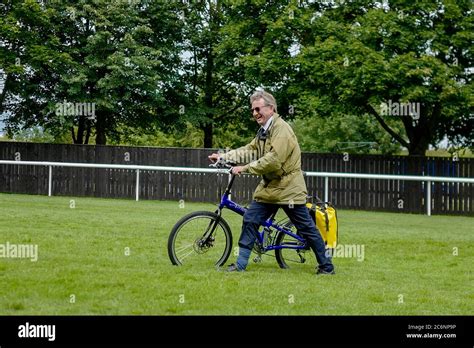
293, 258
200, 238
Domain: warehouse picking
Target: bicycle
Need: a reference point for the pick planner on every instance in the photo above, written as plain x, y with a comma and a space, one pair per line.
203, 237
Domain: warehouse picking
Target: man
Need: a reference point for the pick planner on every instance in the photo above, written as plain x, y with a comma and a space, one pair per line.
278, 161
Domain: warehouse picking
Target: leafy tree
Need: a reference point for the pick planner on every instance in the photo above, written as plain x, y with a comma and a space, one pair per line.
357, 55
30, 62
215, 98
103, 53
348, 58
190, 66
258, 44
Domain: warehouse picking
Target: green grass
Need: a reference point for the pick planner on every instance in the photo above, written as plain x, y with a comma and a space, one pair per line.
82, 268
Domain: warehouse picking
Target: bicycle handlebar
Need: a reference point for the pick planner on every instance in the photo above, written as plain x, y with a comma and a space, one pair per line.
223, 164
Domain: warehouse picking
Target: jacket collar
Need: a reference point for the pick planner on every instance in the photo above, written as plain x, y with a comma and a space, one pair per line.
263, 133
274, 118
266, 125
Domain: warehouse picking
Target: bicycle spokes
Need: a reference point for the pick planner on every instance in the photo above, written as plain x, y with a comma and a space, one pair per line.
200, 238
184, 251
290, 257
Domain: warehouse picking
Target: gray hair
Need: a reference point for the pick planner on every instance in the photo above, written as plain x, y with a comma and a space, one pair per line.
267, 98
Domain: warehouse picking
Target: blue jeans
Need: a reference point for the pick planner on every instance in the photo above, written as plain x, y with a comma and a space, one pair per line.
256, 215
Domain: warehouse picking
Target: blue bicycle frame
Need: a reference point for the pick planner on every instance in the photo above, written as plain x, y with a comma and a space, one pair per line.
226, 202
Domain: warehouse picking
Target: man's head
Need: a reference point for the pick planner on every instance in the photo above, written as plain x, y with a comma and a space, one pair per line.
263, 106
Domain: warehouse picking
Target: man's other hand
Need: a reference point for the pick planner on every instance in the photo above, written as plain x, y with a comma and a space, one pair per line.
214, 157
237, 170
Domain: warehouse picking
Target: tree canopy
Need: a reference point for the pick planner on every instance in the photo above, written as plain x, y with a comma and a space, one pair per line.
384, 74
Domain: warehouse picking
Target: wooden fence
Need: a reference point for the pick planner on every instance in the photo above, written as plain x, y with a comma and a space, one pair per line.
364, 194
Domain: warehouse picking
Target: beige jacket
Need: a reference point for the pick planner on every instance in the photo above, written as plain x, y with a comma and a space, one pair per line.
278, 160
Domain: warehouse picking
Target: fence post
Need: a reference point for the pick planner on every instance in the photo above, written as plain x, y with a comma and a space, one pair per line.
326, 188
428, 198
50, 180
137, 185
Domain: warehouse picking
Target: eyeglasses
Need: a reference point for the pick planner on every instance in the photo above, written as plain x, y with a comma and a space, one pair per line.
258, 108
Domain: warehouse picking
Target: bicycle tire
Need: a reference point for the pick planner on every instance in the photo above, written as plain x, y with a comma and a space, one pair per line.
200, 254
292, 258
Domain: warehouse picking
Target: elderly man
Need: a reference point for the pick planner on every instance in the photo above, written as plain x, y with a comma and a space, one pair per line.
278, 161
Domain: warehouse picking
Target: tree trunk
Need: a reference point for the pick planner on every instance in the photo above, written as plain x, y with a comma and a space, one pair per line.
88, 134
207, 127
83, 126
419, 134
80, 131
73, 135
413, 195
208, 135
100, 128
418, 148
209, 91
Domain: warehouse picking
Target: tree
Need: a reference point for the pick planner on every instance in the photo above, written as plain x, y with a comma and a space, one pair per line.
174, 66
101, 55
259, 39
214, 98
356, 56
341, 58
30, 62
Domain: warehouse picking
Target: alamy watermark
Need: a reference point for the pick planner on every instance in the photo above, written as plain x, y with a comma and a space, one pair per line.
400, 109
240, 156
347, 251
20, 251
76, 109
28, 330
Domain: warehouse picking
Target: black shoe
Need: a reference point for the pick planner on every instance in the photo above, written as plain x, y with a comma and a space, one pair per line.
321, 271
233, 268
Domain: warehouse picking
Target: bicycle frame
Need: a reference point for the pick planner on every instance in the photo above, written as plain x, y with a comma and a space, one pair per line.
227, 202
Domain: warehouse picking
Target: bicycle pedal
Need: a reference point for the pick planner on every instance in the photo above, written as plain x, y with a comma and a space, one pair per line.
257, 259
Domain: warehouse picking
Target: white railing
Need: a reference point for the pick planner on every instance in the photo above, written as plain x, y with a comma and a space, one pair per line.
325, 175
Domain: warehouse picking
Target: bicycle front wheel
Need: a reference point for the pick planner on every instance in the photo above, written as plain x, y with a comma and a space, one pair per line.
288, 257
200, 238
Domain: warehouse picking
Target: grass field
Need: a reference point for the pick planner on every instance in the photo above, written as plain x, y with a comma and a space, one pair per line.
104, 256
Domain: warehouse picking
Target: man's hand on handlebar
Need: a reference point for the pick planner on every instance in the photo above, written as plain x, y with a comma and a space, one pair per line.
218, 162
237, 170
214, 157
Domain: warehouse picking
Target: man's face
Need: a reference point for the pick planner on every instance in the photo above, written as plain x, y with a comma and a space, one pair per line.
264, 111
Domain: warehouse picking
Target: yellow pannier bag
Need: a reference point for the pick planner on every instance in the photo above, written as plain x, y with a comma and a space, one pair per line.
325, 216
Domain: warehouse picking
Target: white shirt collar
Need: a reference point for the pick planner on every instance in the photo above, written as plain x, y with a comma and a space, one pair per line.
269, 122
